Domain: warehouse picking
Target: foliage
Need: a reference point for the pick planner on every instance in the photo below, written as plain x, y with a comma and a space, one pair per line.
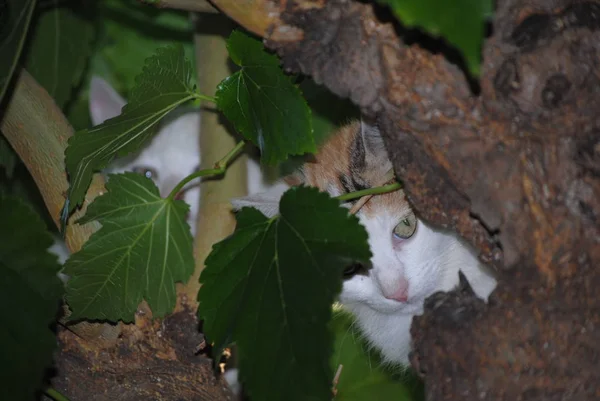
255, 292
263, 103
30, 292
127, 33
60, 49
163, 85
15, 16
460, 22
130, 33
362, 376
142, 249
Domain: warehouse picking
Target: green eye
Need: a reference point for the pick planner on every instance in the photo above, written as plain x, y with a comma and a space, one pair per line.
406, 228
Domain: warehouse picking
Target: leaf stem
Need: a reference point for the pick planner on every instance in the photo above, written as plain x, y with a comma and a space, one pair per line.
205, 97
55, 395
370, 191
220, 168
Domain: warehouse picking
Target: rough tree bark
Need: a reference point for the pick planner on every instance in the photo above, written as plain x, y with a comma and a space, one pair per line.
515, 170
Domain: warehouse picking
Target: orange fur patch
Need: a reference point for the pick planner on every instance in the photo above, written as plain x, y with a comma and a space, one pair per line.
333, 161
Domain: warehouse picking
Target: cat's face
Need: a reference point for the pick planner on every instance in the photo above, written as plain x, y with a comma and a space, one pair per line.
170, 156
408, 257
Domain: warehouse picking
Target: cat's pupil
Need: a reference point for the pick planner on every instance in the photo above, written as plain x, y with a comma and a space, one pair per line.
406, 222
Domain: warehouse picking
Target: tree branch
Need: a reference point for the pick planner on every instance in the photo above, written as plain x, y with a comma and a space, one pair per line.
38, 131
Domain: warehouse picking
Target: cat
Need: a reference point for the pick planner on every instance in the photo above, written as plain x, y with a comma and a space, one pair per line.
411, 259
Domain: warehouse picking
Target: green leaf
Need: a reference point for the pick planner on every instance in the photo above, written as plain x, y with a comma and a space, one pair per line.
15, 16
143, 248
461, 22
270, 286
363, 376
8, 157
61, 46
30, 295
130, 32
263, 104
163, 85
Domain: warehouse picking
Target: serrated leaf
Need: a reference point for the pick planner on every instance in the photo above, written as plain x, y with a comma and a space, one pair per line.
130, 32
143, 248
8, 157
163, 85
269, 288
30, 294
461, 22
363, 376
15, 16
61, 45
263, 104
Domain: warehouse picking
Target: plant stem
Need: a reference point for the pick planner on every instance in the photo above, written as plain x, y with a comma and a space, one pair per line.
220, 168
370, 191
55, 395
205, 97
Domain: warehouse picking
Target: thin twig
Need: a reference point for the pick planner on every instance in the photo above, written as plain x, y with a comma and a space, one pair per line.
336, 379
220, 168
199, 6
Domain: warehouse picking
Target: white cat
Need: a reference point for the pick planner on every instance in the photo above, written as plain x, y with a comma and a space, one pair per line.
411, 259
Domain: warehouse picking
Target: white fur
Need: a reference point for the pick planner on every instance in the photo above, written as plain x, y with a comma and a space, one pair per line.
429, 260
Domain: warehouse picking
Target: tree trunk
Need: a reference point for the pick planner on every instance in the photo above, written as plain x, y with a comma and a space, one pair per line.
514, 169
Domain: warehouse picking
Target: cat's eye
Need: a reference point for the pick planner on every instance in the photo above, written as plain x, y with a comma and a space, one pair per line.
353, 269
406, 228
146, 172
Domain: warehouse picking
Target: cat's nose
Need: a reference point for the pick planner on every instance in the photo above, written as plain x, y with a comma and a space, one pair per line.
400, 293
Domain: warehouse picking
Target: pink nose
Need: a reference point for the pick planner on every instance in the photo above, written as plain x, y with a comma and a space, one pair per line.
400, 294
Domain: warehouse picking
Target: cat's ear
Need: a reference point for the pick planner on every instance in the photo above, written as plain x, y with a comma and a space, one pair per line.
371, 137
104, 102
266, 202
368, 150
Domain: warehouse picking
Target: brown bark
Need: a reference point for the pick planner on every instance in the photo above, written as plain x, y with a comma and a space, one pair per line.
515, 170
151, 360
